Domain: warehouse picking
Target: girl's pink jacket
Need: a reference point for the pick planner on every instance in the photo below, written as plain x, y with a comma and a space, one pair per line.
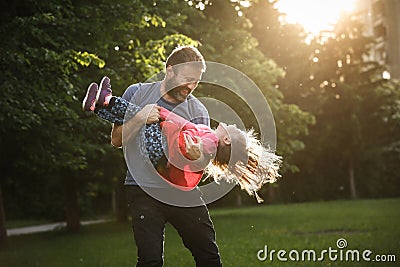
182, 172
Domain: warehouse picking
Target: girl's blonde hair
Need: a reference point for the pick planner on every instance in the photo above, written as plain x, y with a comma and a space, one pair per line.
251, 171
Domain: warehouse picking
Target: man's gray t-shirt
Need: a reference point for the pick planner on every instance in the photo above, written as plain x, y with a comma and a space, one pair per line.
142, 94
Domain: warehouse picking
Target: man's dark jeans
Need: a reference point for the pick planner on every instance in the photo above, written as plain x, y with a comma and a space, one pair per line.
193, 224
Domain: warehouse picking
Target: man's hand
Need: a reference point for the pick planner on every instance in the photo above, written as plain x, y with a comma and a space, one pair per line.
194, 150
150, 113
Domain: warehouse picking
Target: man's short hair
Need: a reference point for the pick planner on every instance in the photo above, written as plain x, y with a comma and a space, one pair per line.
185, 54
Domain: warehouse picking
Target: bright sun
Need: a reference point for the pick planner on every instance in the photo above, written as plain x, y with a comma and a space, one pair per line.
314, 15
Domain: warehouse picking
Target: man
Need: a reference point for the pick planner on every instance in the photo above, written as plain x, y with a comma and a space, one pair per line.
184, 68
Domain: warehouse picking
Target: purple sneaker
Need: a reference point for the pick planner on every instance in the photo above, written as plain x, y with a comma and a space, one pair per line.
104, 94
89, 102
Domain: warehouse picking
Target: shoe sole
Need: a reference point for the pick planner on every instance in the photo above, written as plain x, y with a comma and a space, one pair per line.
101, 86
90, 107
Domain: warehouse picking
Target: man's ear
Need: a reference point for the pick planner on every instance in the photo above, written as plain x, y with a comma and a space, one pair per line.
170, 69
226, 140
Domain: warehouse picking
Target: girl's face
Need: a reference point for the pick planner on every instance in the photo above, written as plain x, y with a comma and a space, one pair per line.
221, 129
225, 131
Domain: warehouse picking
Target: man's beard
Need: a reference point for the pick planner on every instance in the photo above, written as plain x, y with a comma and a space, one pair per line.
174, 91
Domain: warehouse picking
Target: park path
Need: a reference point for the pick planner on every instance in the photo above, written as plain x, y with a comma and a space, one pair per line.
47, 227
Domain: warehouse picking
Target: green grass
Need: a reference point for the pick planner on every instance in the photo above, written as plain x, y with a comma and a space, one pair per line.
365, 224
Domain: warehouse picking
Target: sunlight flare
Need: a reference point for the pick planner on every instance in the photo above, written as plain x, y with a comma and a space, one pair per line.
314, 15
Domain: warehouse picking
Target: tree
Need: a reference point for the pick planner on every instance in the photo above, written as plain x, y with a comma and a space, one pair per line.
346, 92
229, 37
53, 51
38, 95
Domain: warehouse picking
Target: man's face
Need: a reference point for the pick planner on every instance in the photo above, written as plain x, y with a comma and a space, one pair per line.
182, 82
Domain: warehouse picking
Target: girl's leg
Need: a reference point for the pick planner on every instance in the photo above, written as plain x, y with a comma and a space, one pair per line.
154, 143
119, 111
122, 108
105, 114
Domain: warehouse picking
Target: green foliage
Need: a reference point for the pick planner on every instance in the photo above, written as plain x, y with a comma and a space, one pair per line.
344, 89
39, 110
229, 39
53, 51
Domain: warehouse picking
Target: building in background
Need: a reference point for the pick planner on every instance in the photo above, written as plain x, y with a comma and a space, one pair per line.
382, 21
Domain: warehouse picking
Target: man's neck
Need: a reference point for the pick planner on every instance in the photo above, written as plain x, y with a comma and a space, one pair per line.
165, 96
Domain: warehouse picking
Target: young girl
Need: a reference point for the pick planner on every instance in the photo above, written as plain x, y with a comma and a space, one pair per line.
227, 152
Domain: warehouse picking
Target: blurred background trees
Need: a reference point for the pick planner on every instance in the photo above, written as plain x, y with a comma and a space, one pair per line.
337, 119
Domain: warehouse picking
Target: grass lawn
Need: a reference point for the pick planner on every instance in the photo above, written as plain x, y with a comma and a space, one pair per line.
241, 233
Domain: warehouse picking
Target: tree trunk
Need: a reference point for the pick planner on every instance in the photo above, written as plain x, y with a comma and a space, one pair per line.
271, 194
72, 208
3, 229
352, 183
239, 200
121, 208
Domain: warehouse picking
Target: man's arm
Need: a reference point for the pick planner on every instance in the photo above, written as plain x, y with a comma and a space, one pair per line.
149, 114
116, 135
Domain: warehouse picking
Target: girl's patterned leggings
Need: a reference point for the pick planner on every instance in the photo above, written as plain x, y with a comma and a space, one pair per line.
119, 111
